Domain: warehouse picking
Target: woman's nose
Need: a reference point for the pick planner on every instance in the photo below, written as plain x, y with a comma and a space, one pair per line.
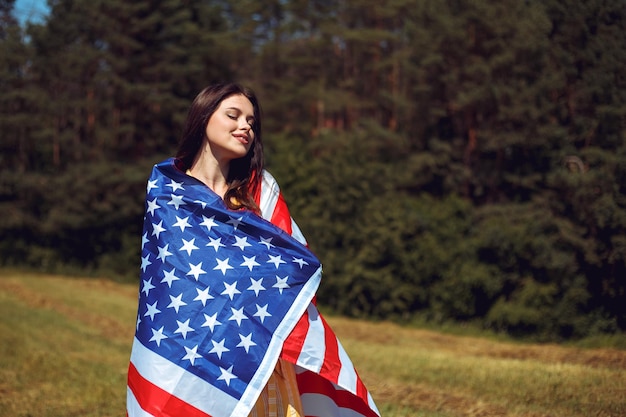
244, 125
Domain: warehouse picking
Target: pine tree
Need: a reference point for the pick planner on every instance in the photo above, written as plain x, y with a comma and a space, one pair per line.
114, 80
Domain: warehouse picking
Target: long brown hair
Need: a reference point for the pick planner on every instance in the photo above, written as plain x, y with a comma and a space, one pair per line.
244, 174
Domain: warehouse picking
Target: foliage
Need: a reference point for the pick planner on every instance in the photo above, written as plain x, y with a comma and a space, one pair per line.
448, 160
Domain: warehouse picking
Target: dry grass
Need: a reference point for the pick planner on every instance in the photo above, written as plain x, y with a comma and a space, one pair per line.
64, 347
422, 371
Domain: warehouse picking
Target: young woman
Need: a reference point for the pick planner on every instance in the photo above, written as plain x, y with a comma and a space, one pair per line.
222, 147
221, 144
226, 322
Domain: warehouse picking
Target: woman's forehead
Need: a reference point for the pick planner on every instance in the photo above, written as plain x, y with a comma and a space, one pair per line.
239, 102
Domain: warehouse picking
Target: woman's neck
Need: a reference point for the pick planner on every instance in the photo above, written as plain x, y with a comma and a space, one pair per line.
208, 170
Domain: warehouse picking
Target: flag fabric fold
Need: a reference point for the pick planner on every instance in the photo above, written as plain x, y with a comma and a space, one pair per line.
223, 294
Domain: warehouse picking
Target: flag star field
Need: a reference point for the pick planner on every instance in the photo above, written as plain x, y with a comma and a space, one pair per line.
215, 315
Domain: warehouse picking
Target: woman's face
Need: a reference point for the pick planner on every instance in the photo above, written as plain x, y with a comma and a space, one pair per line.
229, 130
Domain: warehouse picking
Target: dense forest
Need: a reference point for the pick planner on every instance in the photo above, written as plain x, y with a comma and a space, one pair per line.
448, 160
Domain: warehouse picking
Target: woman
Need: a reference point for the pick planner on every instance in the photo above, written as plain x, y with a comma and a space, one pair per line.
225, 309
222, 147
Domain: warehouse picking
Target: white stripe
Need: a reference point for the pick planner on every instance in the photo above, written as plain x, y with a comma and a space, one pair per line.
318, 405
269, 196
347, 375
370, 402
132, 406
296, 233
312, 354
180, 383
270, 192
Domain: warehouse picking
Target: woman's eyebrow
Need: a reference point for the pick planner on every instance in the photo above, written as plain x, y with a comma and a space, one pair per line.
251, 116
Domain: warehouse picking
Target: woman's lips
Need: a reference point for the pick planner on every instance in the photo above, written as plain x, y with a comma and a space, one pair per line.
242, 138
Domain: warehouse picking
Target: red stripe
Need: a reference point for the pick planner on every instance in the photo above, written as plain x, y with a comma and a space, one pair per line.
294, 342
157, 401
281, 216
361, 390
332, 365
311, 383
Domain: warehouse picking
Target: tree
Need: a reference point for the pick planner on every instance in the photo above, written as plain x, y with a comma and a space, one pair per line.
114, 80
449, 160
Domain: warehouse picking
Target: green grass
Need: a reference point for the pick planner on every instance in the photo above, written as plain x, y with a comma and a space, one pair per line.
65, 345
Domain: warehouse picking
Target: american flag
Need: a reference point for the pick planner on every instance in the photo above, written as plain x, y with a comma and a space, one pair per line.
223, 295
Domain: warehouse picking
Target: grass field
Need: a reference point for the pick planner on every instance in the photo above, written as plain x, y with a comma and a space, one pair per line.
65, 344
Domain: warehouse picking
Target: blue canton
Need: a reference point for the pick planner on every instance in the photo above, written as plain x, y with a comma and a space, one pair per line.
216, 284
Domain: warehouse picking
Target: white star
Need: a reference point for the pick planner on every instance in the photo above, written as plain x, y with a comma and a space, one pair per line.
219, 348
211, 321
157, 229
157, 336
145, 262
152, 205
235, 222
183, 328
175, 185
169, 277
299, 261
261, 312
176, 201
163, 252
231, 290
250, 262
152, 310
202, 203
256, 285
147, 286
188, 246
208, 222
144, 240
222, 265
182, 223
267, 242
203, 296
151, 184
196, 270
138, 321
226, 375
276, 260
216, 243
246, 342
177, 302
281, 283
238, 316
192, 354
242, 242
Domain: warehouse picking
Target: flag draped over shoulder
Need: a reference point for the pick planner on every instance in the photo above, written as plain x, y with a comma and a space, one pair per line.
223, 295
